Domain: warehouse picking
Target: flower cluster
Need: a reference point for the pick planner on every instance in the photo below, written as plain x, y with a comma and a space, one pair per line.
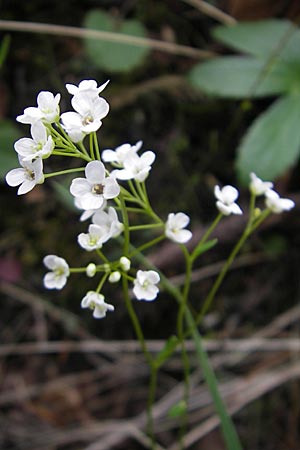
113, 185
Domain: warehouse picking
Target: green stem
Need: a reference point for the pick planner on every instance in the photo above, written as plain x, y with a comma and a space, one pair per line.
91, 140
63, 172
149, 244
144, 227
96, 146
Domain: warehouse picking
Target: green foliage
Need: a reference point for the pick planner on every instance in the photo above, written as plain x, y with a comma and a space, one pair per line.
114, 56
272, 67
9, 133
272, 142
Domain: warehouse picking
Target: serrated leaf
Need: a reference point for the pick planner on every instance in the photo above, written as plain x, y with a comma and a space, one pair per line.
114, 56
239, 77
9, 133
166, 351
202, 248
272, 143
262, 38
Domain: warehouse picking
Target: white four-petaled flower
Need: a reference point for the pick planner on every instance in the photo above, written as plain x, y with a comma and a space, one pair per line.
90, 110
47, 109
226, 198
95, 301
40, 146
277, 204
57, 278
258, 186
145, 285
89, 87
135, 167
175, 227
121, 153
27, 176
108, 222
95, 188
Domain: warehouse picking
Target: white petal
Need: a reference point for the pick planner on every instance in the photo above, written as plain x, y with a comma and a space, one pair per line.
109, 155
26, 187
95, 172
80, 187
111, 188
15, 176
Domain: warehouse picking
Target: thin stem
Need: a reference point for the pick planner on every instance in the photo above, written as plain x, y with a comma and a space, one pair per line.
144, 227
63, 172
96, 146
91, 140
149, 244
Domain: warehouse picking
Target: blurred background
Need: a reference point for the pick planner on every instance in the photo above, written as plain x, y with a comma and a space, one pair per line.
70, 382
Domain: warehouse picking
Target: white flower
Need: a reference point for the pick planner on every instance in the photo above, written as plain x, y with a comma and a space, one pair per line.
88, 213
175, 227
257, 186
121, 153
125, 263
114, 277
28, 176
95, 301
145, 285
47, 109
95, 188
226, 200
87, 118
57, 278
135, 167
40, 146
89, 87
108, 222
93, 239
277, 204
91, 270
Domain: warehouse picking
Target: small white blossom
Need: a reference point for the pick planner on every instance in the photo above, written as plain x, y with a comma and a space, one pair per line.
121, 153
88, 87
95, 301
27, 176
277, 204
226, 198
47, 109
91, 270
125, 263
145, 285
175, 227
88, 117
135, 167
88, 213
108, 222
57, 278
93, 239
114, 277
95, 188
40, 146
258, 186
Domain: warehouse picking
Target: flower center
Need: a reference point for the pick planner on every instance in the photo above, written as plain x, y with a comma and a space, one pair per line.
87, 120
98, 189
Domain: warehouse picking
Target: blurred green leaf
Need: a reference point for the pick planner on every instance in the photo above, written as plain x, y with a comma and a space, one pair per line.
177, 410
262, 38
272, 143
202, 248
62, 191
239, 77
166, 351
4, 47
9, 133
114, 56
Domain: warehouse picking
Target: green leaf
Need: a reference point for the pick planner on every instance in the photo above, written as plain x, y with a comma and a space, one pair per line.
177, 410
114, 56
230, 435
4, 48
239, 77
166, 351
262, 38
9, 133
62, 191
202, 248
272, 143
